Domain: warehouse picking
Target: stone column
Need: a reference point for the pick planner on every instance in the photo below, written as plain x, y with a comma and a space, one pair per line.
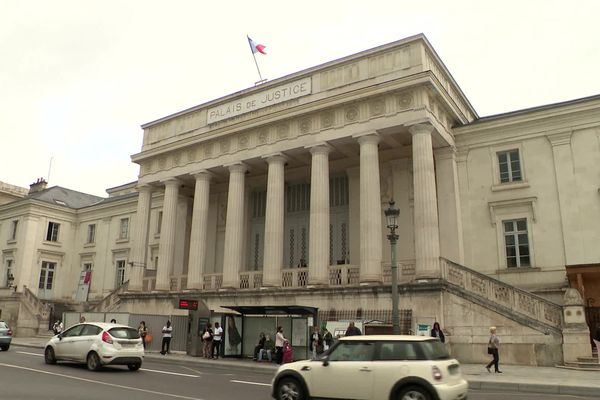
450, 220
427, 234
198, 239
370, 210
318, 241
166, 250
274, 218
576, 334
234, 227
140, 238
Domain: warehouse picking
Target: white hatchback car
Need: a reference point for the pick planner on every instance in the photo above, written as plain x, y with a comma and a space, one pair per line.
388, 367
97, 344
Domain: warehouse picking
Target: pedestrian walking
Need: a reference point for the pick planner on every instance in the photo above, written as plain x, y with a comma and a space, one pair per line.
352, 330
327, 339
437, 332
167, 334
58, 327
597, 340
279, 340
81, 319
493, 345
207, 341
217, 340
316, 343
143, 331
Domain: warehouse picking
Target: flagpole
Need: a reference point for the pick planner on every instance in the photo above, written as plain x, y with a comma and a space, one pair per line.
258, 69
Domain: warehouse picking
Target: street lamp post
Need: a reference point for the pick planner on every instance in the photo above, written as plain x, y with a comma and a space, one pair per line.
391, 214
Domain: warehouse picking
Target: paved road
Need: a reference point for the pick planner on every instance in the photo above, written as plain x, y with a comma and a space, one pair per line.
25, 376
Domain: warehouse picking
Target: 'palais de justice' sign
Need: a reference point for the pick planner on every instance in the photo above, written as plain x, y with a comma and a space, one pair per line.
259, 100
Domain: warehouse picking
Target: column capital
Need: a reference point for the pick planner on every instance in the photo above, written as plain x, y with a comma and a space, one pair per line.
238, 167
276, 158
202, 175
171, 181
319, 148
445, 153
421, 129
144, 187
366, 138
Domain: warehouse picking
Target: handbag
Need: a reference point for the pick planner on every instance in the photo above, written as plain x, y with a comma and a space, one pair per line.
148, 338
490, 350
206, 335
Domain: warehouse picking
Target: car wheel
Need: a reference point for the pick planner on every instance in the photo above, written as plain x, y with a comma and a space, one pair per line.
134, 367
413, 393
289, 389
49, 356
5, 348
93, 362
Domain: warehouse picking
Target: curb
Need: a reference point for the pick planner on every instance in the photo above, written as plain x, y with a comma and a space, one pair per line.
534, 388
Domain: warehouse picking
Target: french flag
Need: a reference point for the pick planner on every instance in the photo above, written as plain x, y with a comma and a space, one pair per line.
256, 48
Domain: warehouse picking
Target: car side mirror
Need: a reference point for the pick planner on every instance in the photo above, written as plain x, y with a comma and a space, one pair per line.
60, 336
325, 361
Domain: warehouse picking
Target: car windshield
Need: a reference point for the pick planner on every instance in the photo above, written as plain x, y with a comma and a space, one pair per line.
124, 333
434, 350
3, 325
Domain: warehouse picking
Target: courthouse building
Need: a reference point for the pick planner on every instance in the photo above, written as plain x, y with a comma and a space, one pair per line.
275, 196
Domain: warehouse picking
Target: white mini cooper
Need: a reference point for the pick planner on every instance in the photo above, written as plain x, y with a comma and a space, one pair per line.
387, 367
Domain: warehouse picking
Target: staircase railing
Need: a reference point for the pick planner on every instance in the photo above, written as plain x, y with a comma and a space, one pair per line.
40, 309
544, 313
112, 299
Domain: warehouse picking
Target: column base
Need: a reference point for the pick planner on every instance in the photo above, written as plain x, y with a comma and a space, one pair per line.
194, 286
371, 280
134, 288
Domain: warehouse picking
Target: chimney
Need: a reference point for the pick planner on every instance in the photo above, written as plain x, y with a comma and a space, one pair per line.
38, 186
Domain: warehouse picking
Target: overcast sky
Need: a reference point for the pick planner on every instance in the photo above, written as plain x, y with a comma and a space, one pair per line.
78, 78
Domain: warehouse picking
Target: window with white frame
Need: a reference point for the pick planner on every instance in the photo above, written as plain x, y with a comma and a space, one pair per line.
120, 273
9, 272
509, 166
124, 228
516, 241
52, 232
47, 275
91, 234
13, 231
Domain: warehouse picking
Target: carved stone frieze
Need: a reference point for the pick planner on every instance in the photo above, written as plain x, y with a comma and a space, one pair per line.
377, 107
208, 149
225, 145
263, 136
243, 141
404, 100
283, 131
327, 119
305, 125
351, 113
526, 303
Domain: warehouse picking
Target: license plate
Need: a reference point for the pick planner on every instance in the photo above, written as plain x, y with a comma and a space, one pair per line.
127, 344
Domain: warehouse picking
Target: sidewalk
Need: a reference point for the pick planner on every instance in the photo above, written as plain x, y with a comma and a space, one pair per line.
515, 378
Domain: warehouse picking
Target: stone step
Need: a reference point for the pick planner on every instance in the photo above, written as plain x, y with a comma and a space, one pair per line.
585, 366
588, 359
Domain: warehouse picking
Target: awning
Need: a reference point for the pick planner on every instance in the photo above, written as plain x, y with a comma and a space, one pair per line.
274, 310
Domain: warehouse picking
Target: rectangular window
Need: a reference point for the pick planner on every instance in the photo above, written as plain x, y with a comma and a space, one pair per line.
91, 233
159, 224
9, 273
47, 275
509, 166
124, 228
516, 243
13, 232
52, 233
120, 273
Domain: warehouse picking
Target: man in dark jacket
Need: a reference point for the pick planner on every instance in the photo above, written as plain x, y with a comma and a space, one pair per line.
352, 330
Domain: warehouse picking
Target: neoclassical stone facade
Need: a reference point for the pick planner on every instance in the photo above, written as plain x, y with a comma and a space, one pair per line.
275, 195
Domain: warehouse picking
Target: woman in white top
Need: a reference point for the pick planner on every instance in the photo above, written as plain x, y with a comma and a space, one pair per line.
279, 339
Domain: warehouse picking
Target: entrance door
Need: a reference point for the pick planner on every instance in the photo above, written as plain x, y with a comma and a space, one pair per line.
46, 280
85, 279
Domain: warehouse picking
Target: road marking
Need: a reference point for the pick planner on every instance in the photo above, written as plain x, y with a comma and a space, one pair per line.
251, 383
193, 370
99, 382
169, 373
30, 354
